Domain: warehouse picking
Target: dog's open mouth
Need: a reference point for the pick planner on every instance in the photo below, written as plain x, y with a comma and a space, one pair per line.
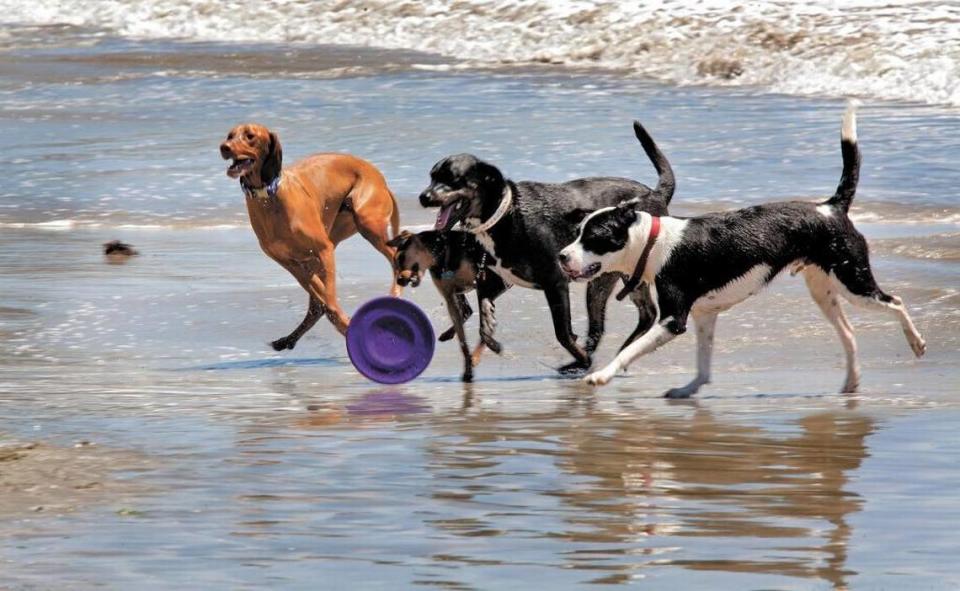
450, 214
411, 278
239, 166
585, 273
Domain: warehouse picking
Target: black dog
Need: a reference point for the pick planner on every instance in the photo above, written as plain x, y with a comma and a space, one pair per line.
457, 265
704, 265
525, 224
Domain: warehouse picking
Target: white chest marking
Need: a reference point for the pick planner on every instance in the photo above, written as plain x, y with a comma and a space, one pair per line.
508, 277
825, 210
735, 291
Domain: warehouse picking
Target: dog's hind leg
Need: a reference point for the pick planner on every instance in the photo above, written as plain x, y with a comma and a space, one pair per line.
488, 290
598, 293
860, 288
315, 311
705, 322
378, 227
826, 295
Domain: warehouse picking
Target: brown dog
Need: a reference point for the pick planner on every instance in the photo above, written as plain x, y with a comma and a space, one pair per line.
301, 213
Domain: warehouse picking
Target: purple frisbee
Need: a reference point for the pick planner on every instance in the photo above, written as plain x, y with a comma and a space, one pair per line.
390, 340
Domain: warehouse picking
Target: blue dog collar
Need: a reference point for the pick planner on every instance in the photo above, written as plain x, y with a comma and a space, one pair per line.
270, 191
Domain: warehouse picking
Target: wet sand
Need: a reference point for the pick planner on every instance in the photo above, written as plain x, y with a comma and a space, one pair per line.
270, 468
40, 478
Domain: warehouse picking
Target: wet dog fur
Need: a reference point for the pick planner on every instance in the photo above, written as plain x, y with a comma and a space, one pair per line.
701, 266
457, 264
543, 218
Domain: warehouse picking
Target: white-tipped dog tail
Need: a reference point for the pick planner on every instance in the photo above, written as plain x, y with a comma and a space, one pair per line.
851, 160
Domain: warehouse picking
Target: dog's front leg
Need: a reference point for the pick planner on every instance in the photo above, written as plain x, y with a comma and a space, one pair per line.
598, 292
660, 334
456, 315
315, 311
643, 298
705, 323
467, 313
315, 308
665, 301
558, 298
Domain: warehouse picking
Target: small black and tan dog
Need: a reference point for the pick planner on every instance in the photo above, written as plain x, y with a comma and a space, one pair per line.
701, 266
523, 225
457, 264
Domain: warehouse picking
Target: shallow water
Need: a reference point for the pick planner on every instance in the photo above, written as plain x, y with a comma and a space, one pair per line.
290, 471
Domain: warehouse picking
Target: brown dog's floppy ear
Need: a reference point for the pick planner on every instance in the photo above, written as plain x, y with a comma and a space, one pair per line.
400, 239
273, 161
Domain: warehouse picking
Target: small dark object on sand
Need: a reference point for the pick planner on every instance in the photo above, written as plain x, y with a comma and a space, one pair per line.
118, 250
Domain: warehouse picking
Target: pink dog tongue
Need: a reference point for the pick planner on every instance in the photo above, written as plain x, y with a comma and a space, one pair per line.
443, 217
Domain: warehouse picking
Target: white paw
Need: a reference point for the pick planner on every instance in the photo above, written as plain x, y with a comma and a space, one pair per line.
599, 378
918, 345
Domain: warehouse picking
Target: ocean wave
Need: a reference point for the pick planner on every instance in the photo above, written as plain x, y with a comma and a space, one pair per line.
938, 247
894, 49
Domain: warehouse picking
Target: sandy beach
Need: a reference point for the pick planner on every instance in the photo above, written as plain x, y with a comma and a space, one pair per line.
168, 445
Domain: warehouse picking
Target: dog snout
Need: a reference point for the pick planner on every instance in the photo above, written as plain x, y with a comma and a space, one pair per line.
563, 258
407, 277
427, 198
435, 194
225, 151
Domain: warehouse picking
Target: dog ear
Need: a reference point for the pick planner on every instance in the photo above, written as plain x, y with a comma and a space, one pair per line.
273, 162
576, 216
400, 239
489, 174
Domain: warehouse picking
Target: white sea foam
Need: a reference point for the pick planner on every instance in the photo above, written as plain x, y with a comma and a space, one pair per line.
889, 49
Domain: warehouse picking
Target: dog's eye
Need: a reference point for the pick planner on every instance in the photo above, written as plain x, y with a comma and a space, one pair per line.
230, 136
249, 136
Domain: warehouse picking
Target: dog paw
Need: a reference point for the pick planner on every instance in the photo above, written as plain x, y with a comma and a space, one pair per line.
591, 344
574, 368
919, 346
850, 387
447, 334
284, 343
467, 376
599, 378
493, 344
678, 393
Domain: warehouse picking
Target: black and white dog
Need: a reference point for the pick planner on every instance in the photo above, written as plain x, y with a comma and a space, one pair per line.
703, 265
525, 224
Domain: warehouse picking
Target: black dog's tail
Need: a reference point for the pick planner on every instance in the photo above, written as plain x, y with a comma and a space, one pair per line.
851, 162
666, 183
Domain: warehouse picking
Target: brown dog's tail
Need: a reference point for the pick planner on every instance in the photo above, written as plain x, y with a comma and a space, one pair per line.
666, 183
